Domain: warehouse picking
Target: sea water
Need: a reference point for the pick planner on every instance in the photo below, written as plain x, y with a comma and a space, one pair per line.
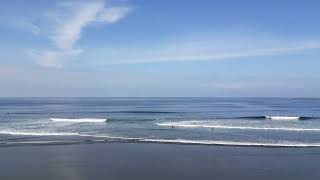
274, 122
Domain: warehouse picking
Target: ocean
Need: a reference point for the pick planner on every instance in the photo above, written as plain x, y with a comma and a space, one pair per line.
266, 122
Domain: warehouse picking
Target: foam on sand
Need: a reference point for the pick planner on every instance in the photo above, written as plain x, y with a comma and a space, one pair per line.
232, 143
79, 120
107, 139
26, 133
172, 141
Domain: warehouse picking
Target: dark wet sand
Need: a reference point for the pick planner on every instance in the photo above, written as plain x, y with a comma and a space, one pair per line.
157, 161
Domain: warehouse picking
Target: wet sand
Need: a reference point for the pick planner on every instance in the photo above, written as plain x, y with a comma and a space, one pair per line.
157, 161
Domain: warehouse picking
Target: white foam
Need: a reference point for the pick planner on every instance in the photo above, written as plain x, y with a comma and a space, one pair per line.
283, 117
187, 124
233, 143
79, 120
143, 140
24, 133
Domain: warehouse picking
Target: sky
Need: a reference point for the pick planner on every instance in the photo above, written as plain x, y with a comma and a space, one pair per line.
105, 48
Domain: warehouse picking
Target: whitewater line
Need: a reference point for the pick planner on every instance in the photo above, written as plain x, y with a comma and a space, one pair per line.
236, 127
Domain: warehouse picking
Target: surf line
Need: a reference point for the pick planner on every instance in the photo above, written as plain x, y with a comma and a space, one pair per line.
212, 127
78, 120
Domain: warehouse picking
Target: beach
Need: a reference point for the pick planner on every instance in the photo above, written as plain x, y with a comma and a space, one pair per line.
157, 161
159, 90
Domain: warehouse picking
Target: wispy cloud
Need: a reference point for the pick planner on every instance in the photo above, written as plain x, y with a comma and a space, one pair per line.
112, 14
68, 21
204, 50
67, 31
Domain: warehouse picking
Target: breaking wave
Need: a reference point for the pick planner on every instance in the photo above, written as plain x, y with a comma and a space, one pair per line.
79, 120
283, 117
22, 133
201, 124
25, 133
277, 117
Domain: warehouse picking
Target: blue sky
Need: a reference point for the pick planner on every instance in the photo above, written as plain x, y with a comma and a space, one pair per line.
160, 48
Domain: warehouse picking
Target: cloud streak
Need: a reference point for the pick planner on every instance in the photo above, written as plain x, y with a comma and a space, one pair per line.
205, 51
70, 19
49, 58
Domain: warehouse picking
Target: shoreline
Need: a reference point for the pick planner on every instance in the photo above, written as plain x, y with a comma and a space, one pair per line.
58, 142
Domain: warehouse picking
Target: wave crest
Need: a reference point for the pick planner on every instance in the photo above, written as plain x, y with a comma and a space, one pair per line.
277, 117
283, 117
79, 120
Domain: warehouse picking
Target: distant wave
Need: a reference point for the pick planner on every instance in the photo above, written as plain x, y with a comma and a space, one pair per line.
283, 117
80, 120
96, 112
190, 124
277, 117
